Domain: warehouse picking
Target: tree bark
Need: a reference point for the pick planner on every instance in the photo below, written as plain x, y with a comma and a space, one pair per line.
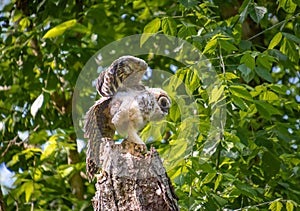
132, 179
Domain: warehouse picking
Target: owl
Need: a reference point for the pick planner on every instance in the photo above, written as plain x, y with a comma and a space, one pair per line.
126, 106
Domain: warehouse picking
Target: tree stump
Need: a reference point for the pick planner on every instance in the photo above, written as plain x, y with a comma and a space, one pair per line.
132, 179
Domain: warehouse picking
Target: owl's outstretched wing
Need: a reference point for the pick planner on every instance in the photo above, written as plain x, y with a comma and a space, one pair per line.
126, 71
97, 127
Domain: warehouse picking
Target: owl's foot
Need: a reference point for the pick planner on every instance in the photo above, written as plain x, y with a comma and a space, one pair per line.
138, 150
101, 177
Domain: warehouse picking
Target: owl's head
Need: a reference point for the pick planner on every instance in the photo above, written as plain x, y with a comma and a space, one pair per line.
163, 100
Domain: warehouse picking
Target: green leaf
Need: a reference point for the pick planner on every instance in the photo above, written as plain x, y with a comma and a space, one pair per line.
266, 109
276, 206
289, 205
287, 5
65, 170
249, 60
270, 165
60, 29
38, 137
50, 147
208, 178
177, 151
275, 41
244, 10
265, 60
221, 201
268, 96
186, 31
227, 46
289, 48
279, 88
28, 188
218, 181
245, 189
151, 28
189, 3
245, 45
239, 102
264, 73
210, 46
169, 26
80, 29
257, 13
240, 91
291, 37
37, 104
24, 23
247, 73
216, 94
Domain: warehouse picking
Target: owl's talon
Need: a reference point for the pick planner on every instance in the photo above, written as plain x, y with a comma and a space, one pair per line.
101, 177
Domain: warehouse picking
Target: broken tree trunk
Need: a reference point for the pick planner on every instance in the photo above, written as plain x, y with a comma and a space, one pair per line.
132, 179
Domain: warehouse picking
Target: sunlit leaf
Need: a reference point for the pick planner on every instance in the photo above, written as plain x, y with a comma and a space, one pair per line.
151, 28
268, 96
216, 94
289, 48
240, 91
276, 206
28, 188
60, 29
210, 46
288, 5
208, 178
51, 146
218, 181
289, 205
275, 41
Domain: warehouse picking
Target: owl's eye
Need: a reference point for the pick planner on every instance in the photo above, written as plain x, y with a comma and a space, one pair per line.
164, 103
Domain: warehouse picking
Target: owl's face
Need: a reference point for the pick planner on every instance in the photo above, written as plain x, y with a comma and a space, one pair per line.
163, 103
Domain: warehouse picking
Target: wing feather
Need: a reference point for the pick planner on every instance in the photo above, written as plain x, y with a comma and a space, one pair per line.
126, 71
97, 127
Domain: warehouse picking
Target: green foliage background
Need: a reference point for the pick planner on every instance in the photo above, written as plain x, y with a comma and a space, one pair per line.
254, 47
